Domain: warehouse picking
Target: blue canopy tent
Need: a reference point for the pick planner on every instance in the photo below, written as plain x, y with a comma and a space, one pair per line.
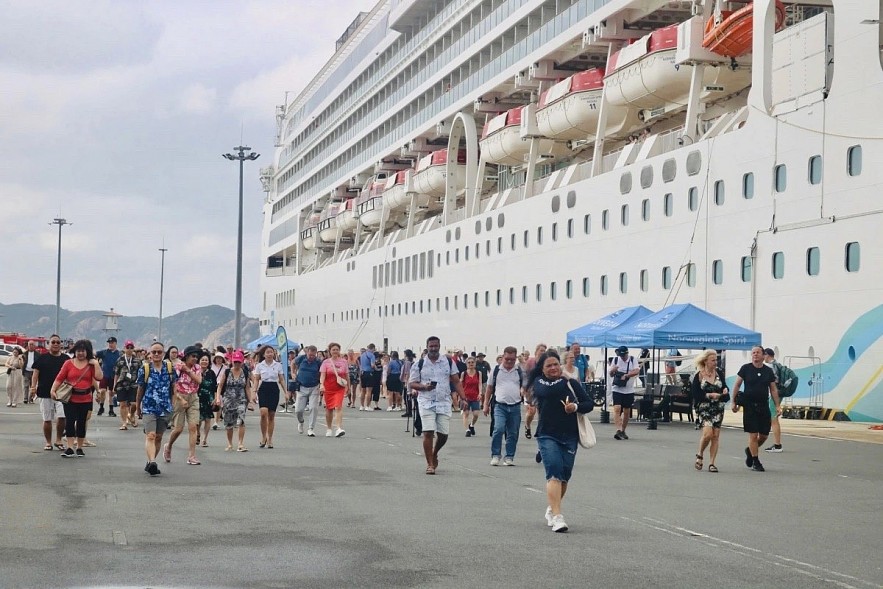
594, 334
270, 340
685, 326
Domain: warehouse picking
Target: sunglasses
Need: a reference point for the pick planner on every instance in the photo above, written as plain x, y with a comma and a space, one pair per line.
54, 341
156, 351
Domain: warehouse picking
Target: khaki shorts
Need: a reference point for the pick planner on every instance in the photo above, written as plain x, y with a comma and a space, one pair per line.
51, 409
155, 423
189, 415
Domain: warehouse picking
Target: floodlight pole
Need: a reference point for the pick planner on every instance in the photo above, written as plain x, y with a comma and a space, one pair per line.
61, 223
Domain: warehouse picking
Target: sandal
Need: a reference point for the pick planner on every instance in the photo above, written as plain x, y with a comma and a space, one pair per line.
712, 468
262, 444
527, 433
47, 447
123, 428
430, 470
228, 448
241, 449
205, 444
699, 462
59, 446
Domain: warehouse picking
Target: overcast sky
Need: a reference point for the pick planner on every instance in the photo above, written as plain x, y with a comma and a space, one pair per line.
114, 115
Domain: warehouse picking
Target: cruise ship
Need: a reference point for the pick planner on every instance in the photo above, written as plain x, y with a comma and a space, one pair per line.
498, 172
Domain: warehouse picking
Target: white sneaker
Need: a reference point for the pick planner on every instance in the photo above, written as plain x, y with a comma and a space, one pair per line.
329, 433
310, 433
508, 462
300, 428
361, 408
774, 450
388, 409
558, 523
495, 461
339, 433
549, 516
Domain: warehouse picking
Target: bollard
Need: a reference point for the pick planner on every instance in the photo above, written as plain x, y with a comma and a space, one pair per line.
652, 423
605, 416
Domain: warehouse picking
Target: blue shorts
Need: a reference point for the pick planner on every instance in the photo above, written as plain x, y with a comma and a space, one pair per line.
472, 405
557, 457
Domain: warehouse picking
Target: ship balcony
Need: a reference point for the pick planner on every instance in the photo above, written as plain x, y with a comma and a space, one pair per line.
407, 13
281, 271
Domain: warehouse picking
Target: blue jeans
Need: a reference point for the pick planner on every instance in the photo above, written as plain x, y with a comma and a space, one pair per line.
507, 419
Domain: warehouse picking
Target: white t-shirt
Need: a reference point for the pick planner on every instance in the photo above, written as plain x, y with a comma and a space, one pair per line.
624, 366
268, 373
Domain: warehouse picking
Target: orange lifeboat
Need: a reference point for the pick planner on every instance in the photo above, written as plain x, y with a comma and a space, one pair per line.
732, 36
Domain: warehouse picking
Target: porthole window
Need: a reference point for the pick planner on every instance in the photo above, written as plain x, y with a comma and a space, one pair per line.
748, 186
644, 281
499, 245
553, 291
457, 233
571, 199
625, 183
487, 247
853, 256
814, 173
646, 176
691, 274
526, 238
587, 224
717, 272
813, 261
487, 298
554, 231
488, 224
719, 192
603, 285
501, 220
624, 215
605, 219
623, 282
466, 254
499, 297
556, 203
666, 277
512, 242
477, 250
539, 293
854, 160
778, 265
668, 205
645, 209
694, 163
457, 256
539, 236
448, 236
568, 289
523, 294
745, 272
781, 177
465, 301
456, 302
669, 170
570, 228
477, 227
512, 296
585, 287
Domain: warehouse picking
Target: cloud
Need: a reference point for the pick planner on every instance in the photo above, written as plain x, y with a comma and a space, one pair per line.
197, 99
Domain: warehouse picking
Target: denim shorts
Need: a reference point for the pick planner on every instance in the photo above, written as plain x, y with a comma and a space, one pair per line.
472, 405
557, 457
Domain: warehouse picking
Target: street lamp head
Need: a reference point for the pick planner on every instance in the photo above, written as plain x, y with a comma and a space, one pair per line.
253, 156
229, 156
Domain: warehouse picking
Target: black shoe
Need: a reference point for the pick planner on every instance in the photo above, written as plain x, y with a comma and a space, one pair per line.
624, 436
617, 435
468, 434
472, 429
80, 453
377, 409
758, 466
101, 410
152, 469
111, 413
69, 453
406, 414
538, 457
749, 459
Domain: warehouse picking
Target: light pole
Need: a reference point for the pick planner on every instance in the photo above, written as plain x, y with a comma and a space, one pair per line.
61, 223
237, 322
162, 272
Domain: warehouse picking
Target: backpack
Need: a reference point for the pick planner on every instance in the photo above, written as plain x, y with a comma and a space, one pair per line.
227, 371
420, 365
786, 380
497, 369
146, 367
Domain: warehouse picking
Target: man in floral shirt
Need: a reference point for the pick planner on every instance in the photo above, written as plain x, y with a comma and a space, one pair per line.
156, 379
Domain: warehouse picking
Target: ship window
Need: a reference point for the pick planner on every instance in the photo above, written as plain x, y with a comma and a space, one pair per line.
570, 228
571, 199
487, 298
499, 245
499, 297
386, 274
448, 258
691, 274
539, 293
511, 295
374, 277
781, 177
488, 224
748, 185
746, 269
585, 287
421, 306
466, 253
477, 227
668, 204
414, 261
401, 272
501, 220
646, 176
624, 215
854, 160
587, 224
625, 183
438, 304
666, 277
815, 170
568, 289
437, 262
853, 256
669, 170
457, 256
487, 247
553, 291
603, 285
429, 266
717, 272
554, 231
475, 300
778, 265
623, 282
446, 303
512, 242
645, 209
526, 237
466, 300
694, 163
457, 233
812, 261
523, 294
556, 203
422, 265
605, 219
448, 236
719, 192
539, 236
407, 272
644, 281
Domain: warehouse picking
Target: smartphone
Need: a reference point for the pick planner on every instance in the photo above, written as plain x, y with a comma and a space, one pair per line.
432, 383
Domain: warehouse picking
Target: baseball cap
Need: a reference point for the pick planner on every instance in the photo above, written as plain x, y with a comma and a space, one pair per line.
129, 344
111, 339
622, 350
238, 356
191, 350
481, 355
769, 351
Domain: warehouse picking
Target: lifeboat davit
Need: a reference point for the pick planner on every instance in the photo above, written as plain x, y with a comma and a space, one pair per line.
430, 175
396, 195
369, 204
732, 36
570, 108
310, 231
346, 216
328, 222
644, 75
501, 141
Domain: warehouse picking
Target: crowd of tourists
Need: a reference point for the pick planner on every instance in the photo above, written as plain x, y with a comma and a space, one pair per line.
163, 389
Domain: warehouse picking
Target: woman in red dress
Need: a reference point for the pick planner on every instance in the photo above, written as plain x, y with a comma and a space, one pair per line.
333, 382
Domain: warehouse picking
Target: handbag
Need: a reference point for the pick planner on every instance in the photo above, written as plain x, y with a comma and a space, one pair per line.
64, 391
587, 438
342, 382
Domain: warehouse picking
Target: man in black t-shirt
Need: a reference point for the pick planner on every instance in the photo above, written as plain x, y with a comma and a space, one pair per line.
760, 383
46, 368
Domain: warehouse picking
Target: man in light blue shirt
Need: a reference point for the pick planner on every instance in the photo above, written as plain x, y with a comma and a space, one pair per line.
368, 380
581, 362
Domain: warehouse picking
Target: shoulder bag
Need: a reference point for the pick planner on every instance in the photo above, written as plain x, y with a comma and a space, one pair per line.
342, 382
64, 391
587, 438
